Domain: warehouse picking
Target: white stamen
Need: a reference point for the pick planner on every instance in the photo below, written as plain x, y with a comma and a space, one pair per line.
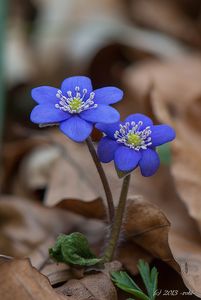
69, 93
122, 135
66, 102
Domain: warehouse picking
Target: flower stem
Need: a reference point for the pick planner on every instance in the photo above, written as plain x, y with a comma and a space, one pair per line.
103, 178
118, 219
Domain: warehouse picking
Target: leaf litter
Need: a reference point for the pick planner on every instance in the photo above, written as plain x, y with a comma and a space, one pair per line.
169, 203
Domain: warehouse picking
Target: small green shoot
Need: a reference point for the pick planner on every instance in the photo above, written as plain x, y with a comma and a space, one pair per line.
127, 284
73, 249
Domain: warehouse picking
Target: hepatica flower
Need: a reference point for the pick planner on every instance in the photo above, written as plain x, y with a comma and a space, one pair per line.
133, 143
75, 107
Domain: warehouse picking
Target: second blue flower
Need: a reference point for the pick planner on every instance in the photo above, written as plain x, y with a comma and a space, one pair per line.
132, 143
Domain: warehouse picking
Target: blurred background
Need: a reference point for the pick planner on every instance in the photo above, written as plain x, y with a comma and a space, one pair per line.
149, 48
44, 41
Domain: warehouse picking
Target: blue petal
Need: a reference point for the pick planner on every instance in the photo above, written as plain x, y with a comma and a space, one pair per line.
106, 149
47, 114
108, 95
69, 84
44, 94
108, 129
76, 129
126, 159
140, 117
103, 114
162, 134
149, 162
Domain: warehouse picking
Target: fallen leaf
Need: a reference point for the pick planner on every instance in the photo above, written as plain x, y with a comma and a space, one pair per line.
96, 286
20, 281
186, 171
80, 184
92, 209
12, 159
183, 230
175, 80
57, 273
26, 229
129, 254
168, 17
148, 227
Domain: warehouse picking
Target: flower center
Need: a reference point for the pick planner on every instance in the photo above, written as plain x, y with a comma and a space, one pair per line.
75, 104
131, 136
134, 139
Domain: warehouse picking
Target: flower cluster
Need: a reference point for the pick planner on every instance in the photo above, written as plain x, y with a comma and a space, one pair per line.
76, 107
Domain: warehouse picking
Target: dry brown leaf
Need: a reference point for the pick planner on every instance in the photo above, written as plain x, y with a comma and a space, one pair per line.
57, 272
186, 171
96, 286
129, 254
166, 16
93, 209
20, 281
11, 159
71, 178
177, 81
184, 238
148, 227
26, 229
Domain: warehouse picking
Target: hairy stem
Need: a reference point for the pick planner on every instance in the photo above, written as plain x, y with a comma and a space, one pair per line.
118, 219
103, 178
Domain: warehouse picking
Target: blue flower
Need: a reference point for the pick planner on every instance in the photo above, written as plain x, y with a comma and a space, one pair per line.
75, 107
132, 143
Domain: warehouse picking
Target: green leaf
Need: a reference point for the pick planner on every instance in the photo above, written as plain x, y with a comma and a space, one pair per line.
73, 249
150, 278
126, 283
154, 280
164, 152
124, 279
144, 270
